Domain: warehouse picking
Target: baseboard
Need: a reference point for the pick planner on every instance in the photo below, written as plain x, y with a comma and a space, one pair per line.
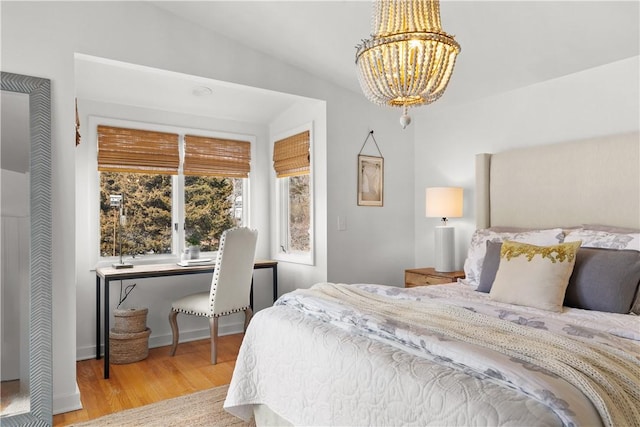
89, 352
67, 403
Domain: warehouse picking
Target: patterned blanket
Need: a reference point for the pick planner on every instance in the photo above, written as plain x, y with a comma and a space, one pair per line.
551, 361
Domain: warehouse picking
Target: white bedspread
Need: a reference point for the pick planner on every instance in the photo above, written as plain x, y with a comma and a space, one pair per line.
376, 372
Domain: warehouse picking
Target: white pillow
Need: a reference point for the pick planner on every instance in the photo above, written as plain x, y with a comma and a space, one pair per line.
478, 246
534, 276
604, 239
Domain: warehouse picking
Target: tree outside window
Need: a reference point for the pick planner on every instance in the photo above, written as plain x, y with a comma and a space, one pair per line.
212, 205
210, 208
147, 209
299, 213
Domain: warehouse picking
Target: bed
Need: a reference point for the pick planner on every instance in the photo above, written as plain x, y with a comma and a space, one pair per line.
542, 330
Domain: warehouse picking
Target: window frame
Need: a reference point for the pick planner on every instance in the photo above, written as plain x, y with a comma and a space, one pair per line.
177, 190
281, 187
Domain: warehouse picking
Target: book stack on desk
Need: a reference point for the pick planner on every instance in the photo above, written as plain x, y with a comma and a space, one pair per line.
199, 261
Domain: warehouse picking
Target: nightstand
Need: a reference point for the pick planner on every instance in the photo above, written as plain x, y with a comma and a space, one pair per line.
429, 276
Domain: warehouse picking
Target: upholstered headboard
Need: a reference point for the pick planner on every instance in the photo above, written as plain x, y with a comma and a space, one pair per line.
595, 181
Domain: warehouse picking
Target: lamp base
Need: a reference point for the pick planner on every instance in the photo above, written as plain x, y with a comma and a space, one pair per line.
445, 253
118, 265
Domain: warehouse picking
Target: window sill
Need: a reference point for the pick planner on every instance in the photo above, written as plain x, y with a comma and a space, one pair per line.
305, 259
149, 259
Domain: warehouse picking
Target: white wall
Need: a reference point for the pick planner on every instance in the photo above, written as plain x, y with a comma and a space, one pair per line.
40, 39
377, 245
599, 101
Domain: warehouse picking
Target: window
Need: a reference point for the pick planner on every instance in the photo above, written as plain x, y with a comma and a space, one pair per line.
210, 208
291, 162
213, 169
146, 214
168, 188
296, 214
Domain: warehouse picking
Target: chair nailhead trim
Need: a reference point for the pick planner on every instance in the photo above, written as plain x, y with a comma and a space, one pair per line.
198, 313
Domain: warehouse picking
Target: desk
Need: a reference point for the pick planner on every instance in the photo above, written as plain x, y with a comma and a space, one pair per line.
108, 274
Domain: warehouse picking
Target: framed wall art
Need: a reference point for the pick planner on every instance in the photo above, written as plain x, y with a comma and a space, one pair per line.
370, 176
370, 180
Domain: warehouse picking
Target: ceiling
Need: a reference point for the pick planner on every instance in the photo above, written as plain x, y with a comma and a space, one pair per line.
116, 82
505, 45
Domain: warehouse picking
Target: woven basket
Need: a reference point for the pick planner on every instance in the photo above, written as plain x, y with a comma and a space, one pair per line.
128, 347
130, 320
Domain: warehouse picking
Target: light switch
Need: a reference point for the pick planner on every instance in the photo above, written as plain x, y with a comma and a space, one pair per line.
342, 223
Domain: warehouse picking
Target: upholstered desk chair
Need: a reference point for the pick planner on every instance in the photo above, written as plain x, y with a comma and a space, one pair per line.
230, 286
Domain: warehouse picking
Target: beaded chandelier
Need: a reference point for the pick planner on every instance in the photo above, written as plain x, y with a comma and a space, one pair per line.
409, 59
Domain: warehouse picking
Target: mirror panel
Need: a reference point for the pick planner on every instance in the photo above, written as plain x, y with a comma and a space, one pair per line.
14, 279
40, 275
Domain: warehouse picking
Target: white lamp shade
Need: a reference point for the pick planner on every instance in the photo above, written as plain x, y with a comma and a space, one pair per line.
444, 202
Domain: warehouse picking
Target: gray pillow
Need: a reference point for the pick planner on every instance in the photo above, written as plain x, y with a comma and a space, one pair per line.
604, 280
489, 266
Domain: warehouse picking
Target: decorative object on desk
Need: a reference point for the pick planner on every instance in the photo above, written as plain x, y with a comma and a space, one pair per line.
129, 338
194, 252
193, 239
200, 261
116, 201
444, 202
370, 176
409, 59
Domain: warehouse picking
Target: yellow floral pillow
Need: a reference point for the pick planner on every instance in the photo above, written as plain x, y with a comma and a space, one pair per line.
534, 276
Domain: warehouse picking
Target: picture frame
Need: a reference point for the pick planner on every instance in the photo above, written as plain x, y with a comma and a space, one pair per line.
370, 180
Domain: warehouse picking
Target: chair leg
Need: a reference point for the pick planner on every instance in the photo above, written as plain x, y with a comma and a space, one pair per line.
174, 330
213, 328
248, 314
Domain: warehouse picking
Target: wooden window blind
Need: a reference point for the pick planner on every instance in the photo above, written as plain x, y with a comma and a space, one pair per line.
216, 157
140, 151
291, 155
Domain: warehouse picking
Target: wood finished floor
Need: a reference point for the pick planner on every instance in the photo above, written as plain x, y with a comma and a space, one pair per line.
156, 378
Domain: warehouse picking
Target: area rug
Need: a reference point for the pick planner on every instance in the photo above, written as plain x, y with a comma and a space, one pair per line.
203, 408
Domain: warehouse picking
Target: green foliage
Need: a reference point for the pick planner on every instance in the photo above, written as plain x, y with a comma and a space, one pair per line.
194, 239
147, 206
208, 209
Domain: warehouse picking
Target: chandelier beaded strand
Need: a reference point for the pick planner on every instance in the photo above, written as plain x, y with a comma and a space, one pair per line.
408, 61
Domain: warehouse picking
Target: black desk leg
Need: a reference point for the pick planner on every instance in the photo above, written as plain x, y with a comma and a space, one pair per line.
97, 317
106, 328
275, 282
251, 294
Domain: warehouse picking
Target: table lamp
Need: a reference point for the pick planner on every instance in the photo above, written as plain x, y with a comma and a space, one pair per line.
116, 201
444, 202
